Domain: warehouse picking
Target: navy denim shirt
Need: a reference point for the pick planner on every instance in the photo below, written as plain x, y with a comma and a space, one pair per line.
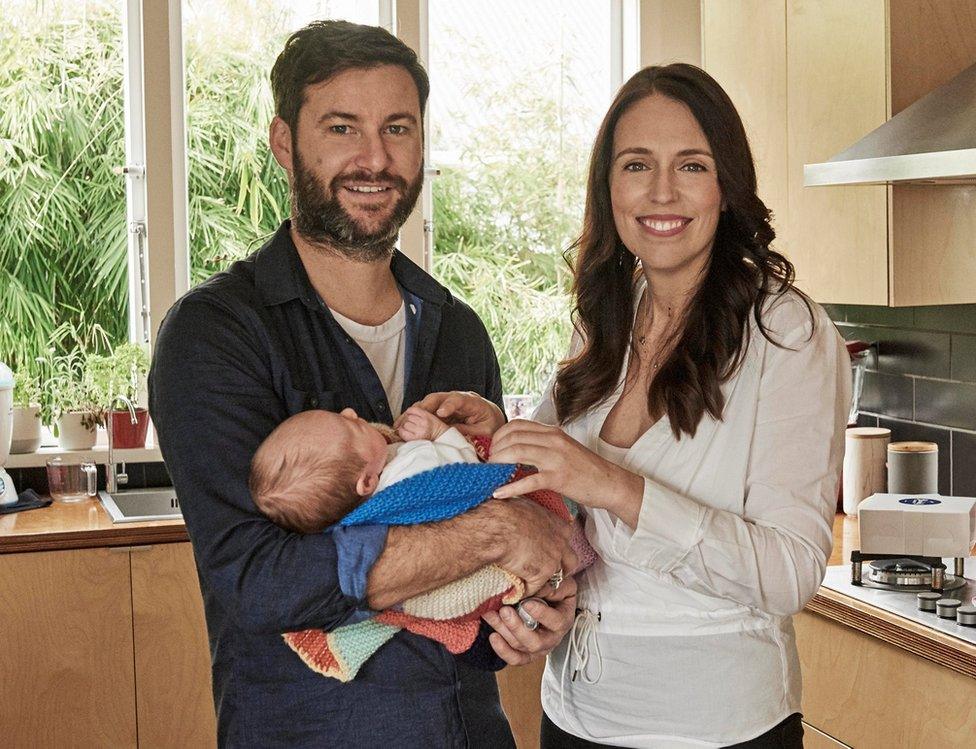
235, 357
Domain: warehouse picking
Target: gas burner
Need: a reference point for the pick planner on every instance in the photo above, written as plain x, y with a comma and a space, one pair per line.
907, 573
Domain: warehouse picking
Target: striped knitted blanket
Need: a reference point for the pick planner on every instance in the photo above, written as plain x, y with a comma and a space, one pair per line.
452, 613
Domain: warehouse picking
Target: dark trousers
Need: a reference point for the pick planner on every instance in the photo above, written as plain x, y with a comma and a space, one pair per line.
786, 735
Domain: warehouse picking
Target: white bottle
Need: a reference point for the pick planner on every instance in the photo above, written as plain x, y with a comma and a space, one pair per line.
8, 493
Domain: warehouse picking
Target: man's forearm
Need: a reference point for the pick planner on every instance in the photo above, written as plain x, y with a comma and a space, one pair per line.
419, 558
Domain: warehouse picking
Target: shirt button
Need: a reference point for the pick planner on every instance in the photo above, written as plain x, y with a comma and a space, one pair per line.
380, 406
313, 402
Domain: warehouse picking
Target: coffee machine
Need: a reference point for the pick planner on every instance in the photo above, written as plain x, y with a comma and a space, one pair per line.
8, 494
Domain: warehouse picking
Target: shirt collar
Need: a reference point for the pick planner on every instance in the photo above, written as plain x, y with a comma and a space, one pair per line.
281, 277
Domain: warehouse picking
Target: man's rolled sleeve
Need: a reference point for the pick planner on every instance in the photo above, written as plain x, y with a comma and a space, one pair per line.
357, 548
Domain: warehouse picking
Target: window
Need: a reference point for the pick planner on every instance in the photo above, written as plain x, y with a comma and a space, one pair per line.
63, 237
238, 195
517, 93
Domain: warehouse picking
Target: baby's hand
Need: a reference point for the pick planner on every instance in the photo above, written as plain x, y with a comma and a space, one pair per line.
417, 424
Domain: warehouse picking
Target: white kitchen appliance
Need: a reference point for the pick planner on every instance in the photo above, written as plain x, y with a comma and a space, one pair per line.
8, 494
923, 524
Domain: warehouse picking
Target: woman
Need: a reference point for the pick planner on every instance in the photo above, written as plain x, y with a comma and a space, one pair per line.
699, 420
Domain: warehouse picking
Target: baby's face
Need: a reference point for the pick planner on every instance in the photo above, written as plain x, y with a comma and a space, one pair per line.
355, 433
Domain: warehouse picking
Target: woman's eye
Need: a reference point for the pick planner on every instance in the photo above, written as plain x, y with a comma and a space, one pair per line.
635, 166
695, 167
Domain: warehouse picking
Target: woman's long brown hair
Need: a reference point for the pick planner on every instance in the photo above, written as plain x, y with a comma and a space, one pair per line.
743, 271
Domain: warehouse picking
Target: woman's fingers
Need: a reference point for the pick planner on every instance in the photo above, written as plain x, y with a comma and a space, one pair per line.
522, 486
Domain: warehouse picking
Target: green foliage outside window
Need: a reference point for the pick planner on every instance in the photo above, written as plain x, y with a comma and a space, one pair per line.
500, 227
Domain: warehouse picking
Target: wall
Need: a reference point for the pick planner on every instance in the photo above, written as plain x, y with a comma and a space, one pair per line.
921, 380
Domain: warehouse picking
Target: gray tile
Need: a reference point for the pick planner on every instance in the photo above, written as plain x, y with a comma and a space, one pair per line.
895, 317
906, 431
951, 404
891, 395
867, 420
913, 352
863, 333
964, 464
963, 363
836, 312
951, 318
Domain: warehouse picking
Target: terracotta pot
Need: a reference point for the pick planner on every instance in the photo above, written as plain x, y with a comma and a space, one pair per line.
125, 434
27, 430
72, 434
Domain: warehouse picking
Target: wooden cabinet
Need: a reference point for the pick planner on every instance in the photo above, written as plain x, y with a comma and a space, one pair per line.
811, 77
174, 700
869, 694
520, 690
66, 676
104, 647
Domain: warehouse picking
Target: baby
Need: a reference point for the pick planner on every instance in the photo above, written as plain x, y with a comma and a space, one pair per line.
318, 466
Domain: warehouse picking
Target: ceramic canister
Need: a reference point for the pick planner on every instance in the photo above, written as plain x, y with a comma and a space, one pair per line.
913, 468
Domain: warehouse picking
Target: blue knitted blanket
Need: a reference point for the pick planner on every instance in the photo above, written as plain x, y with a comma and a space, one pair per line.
436, 494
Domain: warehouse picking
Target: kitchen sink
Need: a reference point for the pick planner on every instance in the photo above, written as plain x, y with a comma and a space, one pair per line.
139, 505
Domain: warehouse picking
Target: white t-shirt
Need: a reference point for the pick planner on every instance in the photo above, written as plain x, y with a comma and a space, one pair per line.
694, 643
385, 347
406, 459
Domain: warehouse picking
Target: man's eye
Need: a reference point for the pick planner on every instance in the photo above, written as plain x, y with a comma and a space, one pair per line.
397, 129
339, 129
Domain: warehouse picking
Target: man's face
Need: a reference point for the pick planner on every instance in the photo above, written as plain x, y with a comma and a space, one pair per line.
357, 160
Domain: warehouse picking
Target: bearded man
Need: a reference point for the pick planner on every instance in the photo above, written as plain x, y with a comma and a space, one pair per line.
329, 315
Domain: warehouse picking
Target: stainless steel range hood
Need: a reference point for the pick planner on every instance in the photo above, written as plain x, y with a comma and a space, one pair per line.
933, 140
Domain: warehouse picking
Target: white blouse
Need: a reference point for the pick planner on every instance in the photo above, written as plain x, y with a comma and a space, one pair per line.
686, 639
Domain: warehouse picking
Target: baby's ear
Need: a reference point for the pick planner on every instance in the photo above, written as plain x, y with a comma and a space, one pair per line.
366, 483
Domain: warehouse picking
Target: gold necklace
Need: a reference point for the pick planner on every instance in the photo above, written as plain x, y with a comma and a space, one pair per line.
655, 362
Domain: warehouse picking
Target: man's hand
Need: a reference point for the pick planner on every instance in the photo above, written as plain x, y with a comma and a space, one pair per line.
531, 542
469, 412
515, 643
417, 424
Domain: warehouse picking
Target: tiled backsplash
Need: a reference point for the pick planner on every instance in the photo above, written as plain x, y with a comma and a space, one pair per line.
921, 380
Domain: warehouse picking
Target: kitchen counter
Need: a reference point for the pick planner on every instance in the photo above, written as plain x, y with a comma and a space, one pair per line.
916, 638
81, 525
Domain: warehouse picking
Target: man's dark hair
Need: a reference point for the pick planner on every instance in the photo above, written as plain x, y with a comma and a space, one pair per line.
324, 49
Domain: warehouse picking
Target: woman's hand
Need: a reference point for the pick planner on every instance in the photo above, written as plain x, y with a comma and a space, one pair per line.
565, 466
515, 643
469, 413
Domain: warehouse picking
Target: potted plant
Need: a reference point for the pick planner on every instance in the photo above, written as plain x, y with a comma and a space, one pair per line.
119, 377
72, 401
26, 436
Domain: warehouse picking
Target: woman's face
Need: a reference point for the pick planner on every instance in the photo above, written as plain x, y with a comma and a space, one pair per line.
663, 186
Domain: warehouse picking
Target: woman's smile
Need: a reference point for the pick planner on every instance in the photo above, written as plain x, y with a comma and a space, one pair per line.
663, 225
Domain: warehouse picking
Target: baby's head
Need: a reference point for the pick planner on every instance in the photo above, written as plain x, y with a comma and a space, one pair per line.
316, 467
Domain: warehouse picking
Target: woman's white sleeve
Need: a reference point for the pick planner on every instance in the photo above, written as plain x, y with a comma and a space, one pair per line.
772, 557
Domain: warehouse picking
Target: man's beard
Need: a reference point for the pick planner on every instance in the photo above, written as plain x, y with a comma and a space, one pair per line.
319, 217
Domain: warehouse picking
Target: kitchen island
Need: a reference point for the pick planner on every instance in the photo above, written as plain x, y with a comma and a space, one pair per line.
105, 621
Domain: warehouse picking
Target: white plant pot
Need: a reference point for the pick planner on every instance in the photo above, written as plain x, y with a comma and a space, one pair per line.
27, 430
72, 434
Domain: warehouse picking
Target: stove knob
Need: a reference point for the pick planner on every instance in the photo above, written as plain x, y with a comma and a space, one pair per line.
926, 601
966, 616
946, 607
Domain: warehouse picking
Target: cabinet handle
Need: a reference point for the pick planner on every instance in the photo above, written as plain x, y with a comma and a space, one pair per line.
120, 549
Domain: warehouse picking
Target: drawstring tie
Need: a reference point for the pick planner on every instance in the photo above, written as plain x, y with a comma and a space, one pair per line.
582, 639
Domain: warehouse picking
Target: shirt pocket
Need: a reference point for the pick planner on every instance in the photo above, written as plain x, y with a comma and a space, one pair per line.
297, 401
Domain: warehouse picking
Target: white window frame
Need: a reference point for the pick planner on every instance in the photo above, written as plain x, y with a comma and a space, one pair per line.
156, 153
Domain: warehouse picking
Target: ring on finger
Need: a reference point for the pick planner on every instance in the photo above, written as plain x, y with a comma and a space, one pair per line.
557, 579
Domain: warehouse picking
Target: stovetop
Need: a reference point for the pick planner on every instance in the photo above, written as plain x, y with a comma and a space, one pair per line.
904, 603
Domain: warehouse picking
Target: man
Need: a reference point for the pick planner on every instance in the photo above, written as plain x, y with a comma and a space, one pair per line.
327, 315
